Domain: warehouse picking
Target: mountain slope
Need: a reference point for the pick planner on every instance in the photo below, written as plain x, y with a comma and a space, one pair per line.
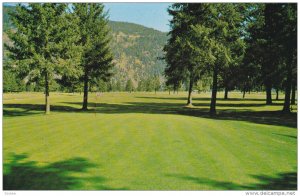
136, 49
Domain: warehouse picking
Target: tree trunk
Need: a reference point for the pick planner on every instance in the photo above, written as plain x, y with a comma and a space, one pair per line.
277, 94
226, 93
287, 97
268, 94
47, 98
189, 101
214, 92
85, 93
244, 93
169, 92
293, 99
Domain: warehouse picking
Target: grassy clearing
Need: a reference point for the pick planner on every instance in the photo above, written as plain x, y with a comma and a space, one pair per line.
143, 141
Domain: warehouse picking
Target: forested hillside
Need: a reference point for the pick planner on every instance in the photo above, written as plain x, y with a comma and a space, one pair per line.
136, 51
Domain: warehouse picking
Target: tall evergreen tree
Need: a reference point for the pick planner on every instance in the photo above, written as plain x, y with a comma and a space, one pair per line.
226, 22
175, 70
97, 57
272, 45
250, 70
271, 51
204, 36
287, 37
44, 43
186, 50
229, 74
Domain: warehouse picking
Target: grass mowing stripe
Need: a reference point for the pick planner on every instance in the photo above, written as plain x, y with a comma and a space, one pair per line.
261, 153
45, 126
78, 138
49, 128
217, 154
223, 135
23, 121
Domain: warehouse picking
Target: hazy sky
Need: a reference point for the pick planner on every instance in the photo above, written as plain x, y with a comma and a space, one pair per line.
152, 15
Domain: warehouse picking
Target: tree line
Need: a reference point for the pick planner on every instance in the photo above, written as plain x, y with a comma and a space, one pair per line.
68, 43
211, 46
235, 46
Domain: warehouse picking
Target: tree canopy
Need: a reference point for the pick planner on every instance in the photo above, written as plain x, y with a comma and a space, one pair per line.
44, 43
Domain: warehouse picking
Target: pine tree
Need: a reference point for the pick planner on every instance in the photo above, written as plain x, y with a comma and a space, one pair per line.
204, 37
273, 48
226, 24
97, 57
44, 43
188, 49
250, 69
287, 37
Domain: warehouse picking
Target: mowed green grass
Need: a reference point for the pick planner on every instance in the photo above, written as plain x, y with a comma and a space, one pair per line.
147, 141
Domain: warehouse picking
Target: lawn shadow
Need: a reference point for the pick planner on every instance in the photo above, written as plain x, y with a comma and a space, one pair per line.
10, 110
231, 113
240, 114
282, 181
204, 98
171, 98
288, 136
22, 174
236, 105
